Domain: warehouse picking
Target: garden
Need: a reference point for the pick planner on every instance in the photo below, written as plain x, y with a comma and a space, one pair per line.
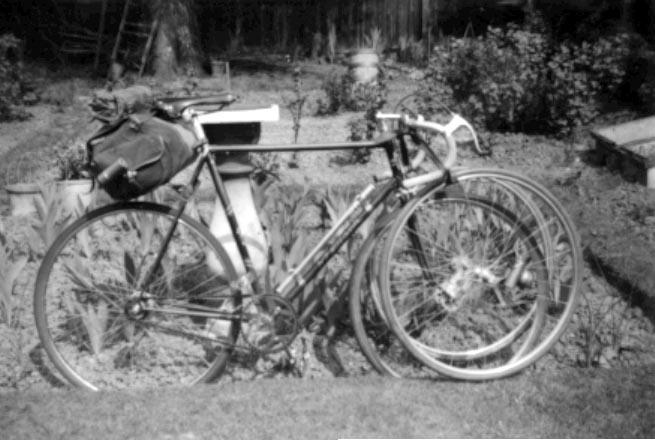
533, 95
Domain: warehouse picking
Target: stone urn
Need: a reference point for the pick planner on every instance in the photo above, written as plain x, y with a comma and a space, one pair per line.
364, 65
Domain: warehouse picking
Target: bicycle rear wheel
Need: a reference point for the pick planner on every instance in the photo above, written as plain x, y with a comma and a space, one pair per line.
109, 316
463, 285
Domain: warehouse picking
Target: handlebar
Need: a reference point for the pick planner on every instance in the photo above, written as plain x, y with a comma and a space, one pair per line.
112, 171
447, 131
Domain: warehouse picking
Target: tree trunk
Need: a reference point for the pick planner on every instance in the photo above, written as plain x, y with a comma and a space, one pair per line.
164, 63
176, 49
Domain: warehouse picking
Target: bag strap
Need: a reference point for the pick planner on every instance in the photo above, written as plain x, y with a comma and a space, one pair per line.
105, 130
138, 119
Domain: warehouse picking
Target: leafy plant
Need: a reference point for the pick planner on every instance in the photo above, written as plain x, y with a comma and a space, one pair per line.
366, 126
91, 316
49, 223
71, 162
607, 332
343, 93
12, 79
282, 216
61, 94
267, 167
11, 266
523, 80
411, 51
375, 40
295, 106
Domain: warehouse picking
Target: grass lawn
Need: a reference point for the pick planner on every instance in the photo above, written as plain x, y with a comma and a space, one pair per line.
565, 403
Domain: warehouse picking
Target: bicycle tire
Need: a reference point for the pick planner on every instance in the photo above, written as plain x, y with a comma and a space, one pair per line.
105, 324
380, 346
564, 267
553, 229
466, 313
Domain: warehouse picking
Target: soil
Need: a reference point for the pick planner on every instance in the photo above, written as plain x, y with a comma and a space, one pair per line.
616, 221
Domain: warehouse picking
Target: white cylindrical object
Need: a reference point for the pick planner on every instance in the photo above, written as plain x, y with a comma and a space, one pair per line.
240, 193
364, 66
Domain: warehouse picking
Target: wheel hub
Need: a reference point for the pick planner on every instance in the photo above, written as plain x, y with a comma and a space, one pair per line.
137, 305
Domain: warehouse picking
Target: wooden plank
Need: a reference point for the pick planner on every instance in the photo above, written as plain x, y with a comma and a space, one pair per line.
101, 33
114, 52
426, 26
146, 50
628, 132
411, 18
402, 19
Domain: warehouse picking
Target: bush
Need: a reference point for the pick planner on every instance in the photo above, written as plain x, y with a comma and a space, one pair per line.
365, 127
12, 85
411, 51
522, 80
343, 93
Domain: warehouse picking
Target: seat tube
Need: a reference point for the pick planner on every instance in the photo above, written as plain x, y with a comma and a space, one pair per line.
222, 194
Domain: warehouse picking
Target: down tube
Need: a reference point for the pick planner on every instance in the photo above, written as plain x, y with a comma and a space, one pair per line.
365, 203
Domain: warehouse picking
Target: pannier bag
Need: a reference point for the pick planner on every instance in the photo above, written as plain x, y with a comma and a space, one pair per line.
154, 151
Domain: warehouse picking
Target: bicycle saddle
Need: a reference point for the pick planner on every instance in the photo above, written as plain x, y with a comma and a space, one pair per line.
175, 106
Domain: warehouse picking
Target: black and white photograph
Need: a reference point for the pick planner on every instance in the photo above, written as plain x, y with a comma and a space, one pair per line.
327, 219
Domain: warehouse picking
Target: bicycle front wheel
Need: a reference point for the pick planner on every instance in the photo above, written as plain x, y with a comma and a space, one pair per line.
463, 285
552, 229
129, 297
381, 347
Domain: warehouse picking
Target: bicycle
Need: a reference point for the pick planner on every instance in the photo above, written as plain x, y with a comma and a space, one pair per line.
138, 293
395, 352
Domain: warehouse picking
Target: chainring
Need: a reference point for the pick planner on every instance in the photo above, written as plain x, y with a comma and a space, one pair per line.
269, 323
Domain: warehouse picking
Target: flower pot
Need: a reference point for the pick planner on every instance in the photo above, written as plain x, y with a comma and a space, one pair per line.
364, 66
22, 198
240, 193
75, 193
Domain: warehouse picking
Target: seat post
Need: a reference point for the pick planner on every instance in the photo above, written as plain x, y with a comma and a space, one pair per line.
197, 127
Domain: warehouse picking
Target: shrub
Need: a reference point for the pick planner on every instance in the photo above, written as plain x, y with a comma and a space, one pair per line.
365, 127
522, 80
411, 51
343, 93
12, 84
70, 161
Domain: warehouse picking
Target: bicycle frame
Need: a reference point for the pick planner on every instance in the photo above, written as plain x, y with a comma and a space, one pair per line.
365, 203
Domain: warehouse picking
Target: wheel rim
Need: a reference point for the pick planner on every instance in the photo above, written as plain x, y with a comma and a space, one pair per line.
105, 326
557, 239
460, 304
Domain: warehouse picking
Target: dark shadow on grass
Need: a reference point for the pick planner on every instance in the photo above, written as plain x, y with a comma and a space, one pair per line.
631, 293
